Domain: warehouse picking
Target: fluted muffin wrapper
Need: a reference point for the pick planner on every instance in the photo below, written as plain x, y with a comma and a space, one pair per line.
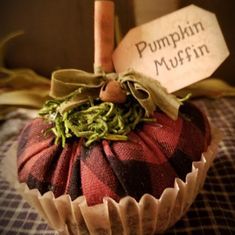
148, 216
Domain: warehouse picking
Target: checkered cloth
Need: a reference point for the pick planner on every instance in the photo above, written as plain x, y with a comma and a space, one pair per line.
213, 211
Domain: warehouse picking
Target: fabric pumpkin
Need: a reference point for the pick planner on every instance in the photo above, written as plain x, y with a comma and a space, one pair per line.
148, 162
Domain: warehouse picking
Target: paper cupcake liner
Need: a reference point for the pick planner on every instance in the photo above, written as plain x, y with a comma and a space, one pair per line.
148, 216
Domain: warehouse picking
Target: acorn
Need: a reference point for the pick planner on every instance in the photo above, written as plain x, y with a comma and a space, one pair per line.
113, 92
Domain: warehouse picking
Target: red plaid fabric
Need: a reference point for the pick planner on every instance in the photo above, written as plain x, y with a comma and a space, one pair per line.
147, 163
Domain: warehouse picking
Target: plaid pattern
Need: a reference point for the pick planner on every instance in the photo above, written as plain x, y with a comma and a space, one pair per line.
16, 216
213, 211
148, 162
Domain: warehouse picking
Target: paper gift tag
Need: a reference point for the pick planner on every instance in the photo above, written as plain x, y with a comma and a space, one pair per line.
178, 49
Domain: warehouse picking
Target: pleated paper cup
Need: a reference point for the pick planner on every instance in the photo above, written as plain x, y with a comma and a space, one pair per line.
148, 216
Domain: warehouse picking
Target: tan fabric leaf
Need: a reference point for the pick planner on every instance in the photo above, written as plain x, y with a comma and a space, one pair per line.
21, 79
142, 96
211, 87
67, 82
3, 44
77, 86
158, 95
31, 98
20, 87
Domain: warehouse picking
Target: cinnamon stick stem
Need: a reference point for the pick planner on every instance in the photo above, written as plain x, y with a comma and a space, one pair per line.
103, 35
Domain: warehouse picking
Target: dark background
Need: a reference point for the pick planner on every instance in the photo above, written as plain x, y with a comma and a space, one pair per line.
59, 33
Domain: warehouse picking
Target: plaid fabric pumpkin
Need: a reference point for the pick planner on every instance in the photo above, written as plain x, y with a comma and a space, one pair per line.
148, 162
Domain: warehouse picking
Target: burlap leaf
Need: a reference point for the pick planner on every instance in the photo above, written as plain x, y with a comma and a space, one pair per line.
211, 87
